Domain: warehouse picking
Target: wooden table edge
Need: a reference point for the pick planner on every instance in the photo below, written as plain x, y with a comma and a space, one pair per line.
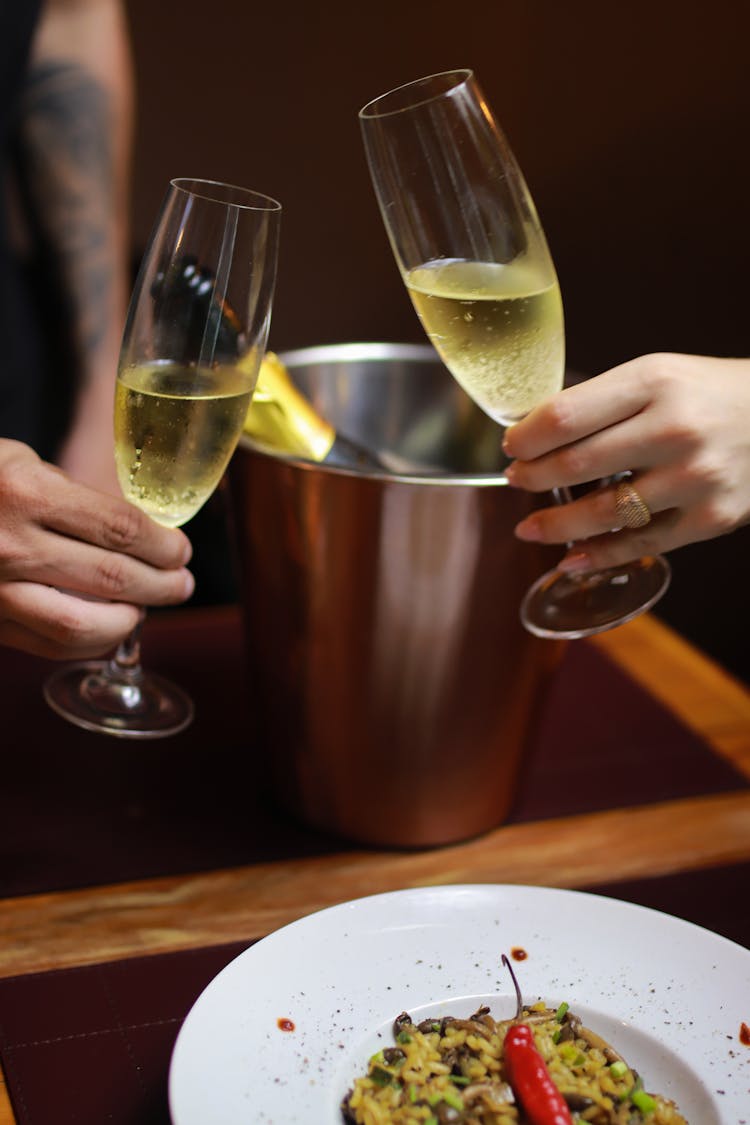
162, 915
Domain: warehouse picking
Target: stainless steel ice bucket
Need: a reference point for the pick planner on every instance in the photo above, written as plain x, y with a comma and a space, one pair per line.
392, 687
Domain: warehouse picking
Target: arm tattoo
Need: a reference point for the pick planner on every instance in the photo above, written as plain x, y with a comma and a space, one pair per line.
67, 161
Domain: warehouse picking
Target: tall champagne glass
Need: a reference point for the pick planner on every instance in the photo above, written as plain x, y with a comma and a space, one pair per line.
184, 383
475, 261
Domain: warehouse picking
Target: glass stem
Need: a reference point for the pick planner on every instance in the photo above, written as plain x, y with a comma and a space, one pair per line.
563, 495
126, 663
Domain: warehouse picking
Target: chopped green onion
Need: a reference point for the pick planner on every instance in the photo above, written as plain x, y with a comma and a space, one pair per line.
556, 1035
570, 1054
403, 1037
431, 1120
618, 1069
568, 1051
378, 1057
643, 1101
459, 1079
453, 1099
413, 1093
560, 1013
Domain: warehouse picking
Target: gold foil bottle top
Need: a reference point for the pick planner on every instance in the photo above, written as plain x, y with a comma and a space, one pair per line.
282, 419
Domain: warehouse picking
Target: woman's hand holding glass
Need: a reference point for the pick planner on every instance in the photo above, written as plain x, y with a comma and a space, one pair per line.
679, 423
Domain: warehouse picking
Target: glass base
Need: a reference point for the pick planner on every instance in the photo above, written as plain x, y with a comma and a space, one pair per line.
139, 706
568, 606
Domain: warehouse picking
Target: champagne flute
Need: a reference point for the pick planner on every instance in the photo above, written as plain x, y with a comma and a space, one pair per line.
183, 388
475, 262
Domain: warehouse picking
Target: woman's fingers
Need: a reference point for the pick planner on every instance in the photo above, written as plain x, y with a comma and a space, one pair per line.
579, 411
650, 411
681, 512
677, 423
637, 444
667, 429
60, 626
664, 534
594, 514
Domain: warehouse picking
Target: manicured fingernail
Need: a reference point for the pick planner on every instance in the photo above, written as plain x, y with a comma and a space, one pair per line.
510, 474
529, 531
575, 564
506, 441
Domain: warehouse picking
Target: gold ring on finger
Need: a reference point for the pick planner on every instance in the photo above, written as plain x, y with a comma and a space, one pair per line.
630, 507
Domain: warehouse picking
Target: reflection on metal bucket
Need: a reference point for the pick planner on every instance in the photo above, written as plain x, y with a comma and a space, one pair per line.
392, 685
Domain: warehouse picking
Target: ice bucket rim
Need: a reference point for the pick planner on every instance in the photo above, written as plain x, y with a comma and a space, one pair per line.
356, 353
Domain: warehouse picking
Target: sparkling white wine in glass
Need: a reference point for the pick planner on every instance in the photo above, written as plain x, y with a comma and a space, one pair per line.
175, 431
185, 379
498, 327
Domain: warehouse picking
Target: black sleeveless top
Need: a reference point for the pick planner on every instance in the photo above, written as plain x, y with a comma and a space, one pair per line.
32, 397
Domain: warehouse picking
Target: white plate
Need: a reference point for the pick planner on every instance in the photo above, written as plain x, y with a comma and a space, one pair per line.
669, 995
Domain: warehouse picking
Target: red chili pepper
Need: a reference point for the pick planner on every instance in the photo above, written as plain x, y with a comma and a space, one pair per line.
527, 1072
528, 1075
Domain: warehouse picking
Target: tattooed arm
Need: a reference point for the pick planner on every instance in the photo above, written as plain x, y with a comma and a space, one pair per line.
76, 137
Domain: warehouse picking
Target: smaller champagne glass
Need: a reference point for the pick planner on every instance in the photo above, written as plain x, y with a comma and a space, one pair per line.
184, 384
476, 264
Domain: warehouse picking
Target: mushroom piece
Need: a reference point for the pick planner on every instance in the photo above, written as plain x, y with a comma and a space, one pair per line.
600, 1044
578, 1102
447, 1114
474, 1026
488, 1095
347, 1114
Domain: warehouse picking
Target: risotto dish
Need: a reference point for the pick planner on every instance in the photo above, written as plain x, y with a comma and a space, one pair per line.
543, 1067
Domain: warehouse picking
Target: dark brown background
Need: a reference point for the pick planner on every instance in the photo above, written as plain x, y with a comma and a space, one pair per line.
631, 122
